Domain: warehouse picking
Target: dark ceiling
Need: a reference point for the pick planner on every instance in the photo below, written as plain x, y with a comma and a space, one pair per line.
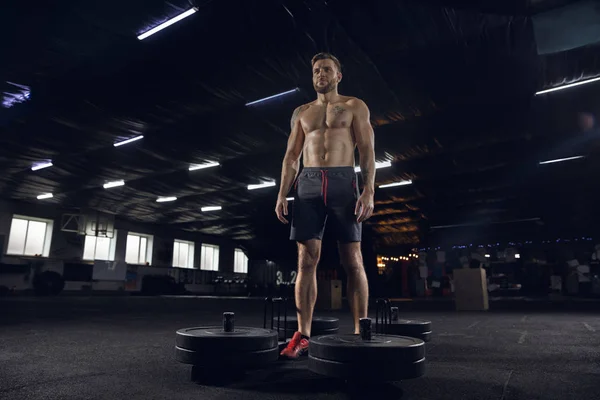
450, 85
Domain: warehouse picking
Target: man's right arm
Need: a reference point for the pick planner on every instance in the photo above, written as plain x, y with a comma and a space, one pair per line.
291, 160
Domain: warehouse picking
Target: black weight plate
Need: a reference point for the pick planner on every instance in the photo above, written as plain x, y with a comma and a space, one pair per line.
282, 345
212, 339
312, 334
406, 327
318, 323
227, 358
332, 331
381, 349
358, 370
426, 337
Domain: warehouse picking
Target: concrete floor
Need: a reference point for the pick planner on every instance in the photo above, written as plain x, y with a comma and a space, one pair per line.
118, 347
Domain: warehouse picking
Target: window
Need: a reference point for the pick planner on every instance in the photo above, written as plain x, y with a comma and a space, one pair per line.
99, 248
183, 254
30, 236
139, 249
210, 257
240, 262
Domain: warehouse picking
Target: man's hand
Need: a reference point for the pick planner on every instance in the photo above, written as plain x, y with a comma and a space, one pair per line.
281, 209
364, 207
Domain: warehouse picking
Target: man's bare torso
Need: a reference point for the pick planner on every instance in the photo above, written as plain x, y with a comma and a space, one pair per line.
329, 138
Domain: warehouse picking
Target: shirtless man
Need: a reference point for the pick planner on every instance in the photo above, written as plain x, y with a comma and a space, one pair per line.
326, 132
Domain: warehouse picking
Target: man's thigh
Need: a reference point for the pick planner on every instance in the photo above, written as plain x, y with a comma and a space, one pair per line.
309, 214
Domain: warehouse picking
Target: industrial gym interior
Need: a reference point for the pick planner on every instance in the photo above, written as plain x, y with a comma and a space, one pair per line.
141, 148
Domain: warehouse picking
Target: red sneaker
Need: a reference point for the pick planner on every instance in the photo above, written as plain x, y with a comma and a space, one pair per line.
296, 347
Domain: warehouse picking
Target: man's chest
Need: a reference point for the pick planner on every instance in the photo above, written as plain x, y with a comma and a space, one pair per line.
327, 117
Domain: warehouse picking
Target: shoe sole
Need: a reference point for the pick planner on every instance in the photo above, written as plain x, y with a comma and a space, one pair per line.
303, 354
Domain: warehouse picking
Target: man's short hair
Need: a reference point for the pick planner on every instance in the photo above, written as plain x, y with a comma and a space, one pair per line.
327, 56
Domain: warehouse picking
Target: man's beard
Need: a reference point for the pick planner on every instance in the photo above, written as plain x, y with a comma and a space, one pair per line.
325, 89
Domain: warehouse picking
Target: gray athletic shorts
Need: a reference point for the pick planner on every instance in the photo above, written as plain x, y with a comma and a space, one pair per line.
326, 195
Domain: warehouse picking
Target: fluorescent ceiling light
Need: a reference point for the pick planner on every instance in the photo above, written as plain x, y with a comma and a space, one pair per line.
128, 141
45, 196
487, 256
517, 255
479, 224
560, 160
202, 166
402, 183
211, 208
378, 165
261, 185
272, 97
113, 184
167, 23
165, 199
41, 165
570, 85
21, 94
383, 164
289, 198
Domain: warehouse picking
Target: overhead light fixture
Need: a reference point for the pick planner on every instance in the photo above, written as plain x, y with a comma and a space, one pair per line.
12, 97
560, 160
167, 23
487, 256
517, 255
41, 165
261, 185
211, 208
383, 164
45, 196
289, 198
202, 166
570, 85
272, 97
128, 141
114, 184
165, 199
378, 165
402, 183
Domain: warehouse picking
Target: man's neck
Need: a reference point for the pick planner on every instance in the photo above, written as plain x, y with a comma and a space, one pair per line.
329, 97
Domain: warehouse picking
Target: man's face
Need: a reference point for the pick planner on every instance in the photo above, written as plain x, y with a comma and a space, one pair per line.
325, 76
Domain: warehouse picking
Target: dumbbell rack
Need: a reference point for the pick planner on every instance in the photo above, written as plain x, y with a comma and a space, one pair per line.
270, 303
385, 306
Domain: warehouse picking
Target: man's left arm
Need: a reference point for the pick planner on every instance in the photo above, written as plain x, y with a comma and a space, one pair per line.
365, 142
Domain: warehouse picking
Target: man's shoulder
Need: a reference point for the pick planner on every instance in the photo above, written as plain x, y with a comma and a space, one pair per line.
298, 110
303, 107
357, 105
354, 101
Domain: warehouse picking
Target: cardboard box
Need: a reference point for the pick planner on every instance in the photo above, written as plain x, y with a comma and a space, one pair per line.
470, 289
329, 295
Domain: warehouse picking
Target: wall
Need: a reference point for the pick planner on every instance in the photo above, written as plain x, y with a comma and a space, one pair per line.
67, 249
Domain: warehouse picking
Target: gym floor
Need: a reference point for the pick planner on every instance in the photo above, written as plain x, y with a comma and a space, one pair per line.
122, 347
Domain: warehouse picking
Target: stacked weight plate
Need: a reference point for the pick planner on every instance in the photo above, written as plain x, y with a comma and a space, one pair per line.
354, 356
408, 327
226, 346
391, 324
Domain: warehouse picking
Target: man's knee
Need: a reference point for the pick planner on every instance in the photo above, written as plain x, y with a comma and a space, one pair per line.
351, 257
354, 268
308, 255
